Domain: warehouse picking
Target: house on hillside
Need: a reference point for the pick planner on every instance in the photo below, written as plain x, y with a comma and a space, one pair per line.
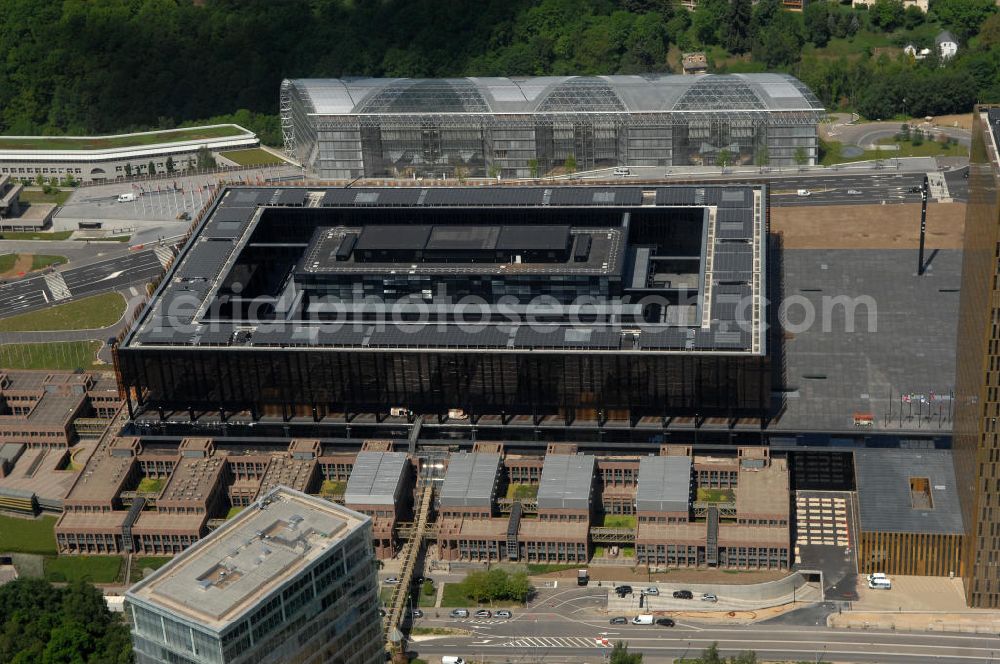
947, 45
694, 63
915, 53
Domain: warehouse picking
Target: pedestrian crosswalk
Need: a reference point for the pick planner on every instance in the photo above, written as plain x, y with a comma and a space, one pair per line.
554, 642
57, 286
164, 255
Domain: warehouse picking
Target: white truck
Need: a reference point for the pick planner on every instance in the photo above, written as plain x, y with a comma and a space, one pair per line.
643, 619
582, 577
126, 198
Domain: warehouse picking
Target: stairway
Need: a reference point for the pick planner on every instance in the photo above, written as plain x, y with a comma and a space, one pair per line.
513, 550
712, 543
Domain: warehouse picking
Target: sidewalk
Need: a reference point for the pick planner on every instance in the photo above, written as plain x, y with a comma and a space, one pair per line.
987, 622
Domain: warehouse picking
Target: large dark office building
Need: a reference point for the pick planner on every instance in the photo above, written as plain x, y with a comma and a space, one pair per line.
580, 303
530, 126
976, 436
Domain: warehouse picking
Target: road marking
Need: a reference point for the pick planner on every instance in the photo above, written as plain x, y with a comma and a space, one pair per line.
164, 255
56, 284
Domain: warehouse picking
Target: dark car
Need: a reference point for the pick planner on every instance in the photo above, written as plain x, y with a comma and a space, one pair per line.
484, 613
619, 620
916, 190
623, 590
683, 594
665, 622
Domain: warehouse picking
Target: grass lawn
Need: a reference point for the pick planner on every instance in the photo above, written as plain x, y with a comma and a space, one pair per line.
233, 511
855, 45
7, 262
517, 491
108, 142
38, 261
928, 148
95, 569
831, 151
86, 314
28, 535
150, 485
63, 355
150, 562
706, 495
623, 551
112, 238
619, 521
31, 235
253, 157
36, 196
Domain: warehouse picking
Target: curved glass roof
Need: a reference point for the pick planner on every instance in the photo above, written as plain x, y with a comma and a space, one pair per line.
557, 94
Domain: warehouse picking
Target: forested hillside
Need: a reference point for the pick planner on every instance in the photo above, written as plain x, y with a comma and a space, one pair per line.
78, 66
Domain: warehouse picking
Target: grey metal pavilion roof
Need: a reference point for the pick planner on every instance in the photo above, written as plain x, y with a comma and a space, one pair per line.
376, 478
664, 484
883, 478
471, 479
566, 481
557, 94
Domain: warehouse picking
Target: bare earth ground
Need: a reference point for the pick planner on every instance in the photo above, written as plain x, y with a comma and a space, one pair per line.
963, 121
868, 226
21, 266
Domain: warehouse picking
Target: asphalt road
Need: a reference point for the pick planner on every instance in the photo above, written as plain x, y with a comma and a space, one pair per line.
566, 625
872, 189
102, 276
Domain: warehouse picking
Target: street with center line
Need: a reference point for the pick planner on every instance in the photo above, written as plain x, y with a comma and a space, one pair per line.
572, 625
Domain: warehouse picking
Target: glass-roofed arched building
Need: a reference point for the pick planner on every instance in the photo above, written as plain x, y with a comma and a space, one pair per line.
521, 127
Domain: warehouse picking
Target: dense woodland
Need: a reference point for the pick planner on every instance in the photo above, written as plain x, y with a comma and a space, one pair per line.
43, 624
81, 67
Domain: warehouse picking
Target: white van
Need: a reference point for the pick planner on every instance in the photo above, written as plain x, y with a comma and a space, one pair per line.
644, 619
622, 172
451, 659
880, 584
876, 575
804, 192
126, 198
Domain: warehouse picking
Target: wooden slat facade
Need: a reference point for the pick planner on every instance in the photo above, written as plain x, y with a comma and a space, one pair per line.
918, 554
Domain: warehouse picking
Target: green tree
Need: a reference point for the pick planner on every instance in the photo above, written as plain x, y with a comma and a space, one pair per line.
40, 180
737, 26
533, 167
723, 158
67, 644
918, 138
152, 167
887, 15
205, 159
646, 46
707, 19
570, 164
989, 33
913, 17
818, 18
963, 17
762, 157
518, 587
801, 156
710, 655
779, 42
169, 164
621, 655
128, 170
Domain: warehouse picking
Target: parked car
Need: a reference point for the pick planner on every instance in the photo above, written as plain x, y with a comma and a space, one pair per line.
683, 594
619, 620
709, 597
916, 190
623, 590
622, 172
391, 580
652, 590
416, 613
665, 622
459, 613
504, 613
853, 192
484, 613
803, 192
